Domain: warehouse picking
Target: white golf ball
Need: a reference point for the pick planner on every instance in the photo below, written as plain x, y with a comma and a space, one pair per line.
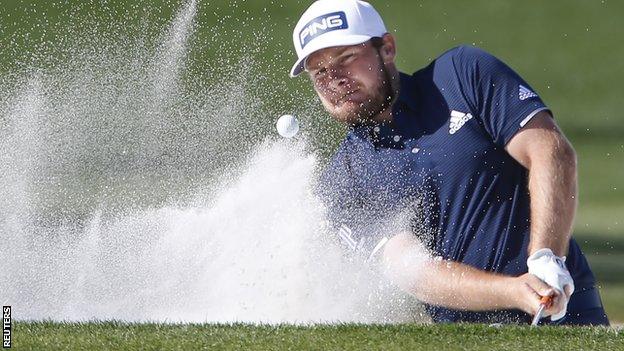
287, 126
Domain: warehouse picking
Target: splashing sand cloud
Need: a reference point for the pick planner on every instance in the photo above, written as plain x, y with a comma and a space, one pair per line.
84, 146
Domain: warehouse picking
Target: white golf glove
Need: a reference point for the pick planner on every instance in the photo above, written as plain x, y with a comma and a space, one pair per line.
552, 270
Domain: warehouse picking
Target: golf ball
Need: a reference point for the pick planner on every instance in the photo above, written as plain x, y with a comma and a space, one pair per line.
287, 126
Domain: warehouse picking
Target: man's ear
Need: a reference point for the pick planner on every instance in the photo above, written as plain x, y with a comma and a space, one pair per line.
388, 48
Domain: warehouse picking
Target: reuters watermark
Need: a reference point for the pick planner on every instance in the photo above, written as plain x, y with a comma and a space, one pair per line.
6, 327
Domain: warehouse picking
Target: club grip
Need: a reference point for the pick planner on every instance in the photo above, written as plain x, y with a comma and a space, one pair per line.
546, 301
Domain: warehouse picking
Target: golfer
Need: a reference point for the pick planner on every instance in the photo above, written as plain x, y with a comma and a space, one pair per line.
468, 146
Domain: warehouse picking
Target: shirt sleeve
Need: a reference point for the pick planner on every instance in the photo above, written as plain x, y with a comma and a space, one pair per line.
503, 101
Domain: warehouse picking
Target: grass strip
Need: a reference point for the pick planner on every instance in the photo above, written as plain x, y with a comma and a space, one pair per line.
121, 336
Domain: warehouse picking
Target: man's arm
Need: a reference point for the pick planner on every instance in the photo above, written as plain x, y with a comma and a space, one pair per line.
551, 161
459, 286
543, 149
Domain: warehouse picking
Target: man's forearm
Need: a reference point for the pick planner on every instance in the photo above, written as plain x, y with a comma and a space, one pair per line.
553, 191
441, 282
459, 286
544, 151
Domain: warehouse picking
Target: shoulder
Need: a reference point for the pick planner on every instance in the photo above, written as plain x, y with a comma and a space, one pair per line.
460, 62
467, 56
466, 52
470, 65
461, 66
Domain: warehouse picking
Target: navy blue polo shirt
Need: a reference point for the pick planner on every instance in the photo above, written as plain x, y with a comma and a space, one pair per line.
443, 161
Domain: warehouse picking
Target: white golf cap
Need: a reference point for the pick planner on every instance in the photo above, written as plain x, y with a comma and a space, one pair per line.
330, 23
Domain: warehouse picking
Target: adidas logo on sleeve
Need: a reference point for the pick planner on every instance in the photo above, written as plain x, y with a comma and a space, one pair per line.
525, 93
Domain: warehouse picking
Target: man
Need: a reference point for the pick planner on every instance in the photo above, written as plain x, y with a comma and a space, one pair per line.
468, 146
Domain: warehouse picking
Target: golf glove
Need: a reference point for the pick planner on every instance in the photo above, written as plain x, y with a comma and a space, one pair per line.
550, 268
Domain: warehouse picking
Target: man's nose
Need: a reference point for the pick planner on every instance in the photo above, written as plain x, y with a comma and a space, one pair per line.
338, 79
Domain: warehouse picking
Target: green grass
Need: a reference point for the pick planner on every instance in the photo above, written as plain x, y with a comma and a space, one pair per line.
117, 336
605, 254
613, 299
601, 175
599, 227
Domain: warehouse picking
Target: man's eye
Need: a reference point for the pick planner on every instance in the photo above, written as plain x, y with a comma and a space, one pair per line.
348, 57
321, 72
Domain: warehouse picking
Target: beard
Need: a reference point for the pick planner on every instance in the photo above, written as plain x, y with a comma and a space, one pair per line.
376, 100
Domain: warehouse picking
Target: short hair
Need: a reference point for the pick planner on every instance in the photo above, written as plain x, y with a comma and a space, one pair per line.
377, 42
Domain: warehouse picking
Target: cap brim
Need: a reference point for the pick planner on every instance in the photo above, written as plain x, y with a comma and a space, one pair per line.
345, 40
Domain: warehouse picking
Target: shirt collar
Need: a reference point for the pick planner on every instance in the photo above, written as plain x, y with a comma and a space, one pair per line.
380, 135
407, 94
386, 136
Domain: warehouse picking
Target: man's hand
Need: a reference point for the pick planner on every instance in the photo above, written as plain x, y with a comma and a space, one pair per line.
551, 269
525, 292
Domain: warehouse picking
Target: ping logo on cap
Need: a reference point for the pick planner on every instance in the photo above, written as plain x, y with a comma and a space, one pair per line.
321, 25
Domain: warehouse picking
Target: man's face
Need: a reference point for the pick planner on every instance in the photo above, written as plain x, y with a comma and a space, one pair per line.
351, 82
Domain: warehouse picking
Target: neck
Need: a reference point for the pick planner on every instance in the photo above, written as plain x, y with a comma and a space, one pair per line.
385, 115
